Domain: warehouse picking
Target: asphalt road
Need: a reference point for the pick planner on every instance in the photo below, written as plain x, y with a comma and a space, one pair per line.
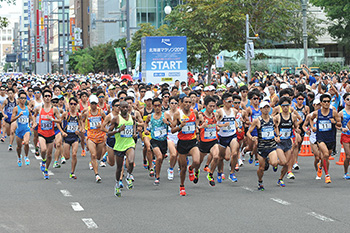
31, 204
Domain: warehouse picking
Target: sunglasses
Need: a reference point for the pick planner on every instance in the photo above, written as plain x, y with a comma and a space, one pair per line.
142, 91
122, 98
73, 104
47, 96
187, 102
69, 90
300, 98
116, 105
237, 102
347, 99
22, 98
101, 97
284, 105
157, 105
166, 96
256, 98
54, 101
173, 103
37, 92
228, 101
326, 101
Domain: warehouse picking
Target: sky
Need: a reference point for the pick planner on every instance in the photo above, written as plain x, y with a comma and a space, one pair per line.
6, 8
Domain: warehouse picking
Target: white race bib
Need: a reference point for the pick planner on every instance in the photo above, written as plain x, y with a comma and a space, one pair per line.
160, 132
94, 122
189, 128
324, 125
127, 132
210, 133
267, 133
285, 133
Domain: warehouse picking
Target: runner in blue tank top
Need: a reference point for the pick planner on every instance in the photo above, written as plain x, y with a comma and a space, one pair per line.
22, 115
327, 122
345, 134
7, 107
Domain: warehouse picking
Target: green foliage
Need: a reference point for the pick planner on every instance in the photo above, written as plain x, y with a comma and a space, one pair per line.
330, 66
85, 63
3, 20
234, 66
7, 66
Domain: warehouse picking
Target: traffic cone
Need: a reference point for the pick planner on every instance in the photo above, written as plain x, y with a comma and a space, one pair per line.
342, 156
306, 148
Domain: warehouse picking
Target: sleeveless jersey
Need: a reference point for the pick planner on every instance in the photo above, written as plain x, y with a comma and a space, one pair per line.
23, 121
2, 99
344, 122
92, 122
255, 114
37, 105
285, 127
239, 118
300, 112
124, 138
325, 128
266, 134
208, 134
71, 125
158, 128
230, 130
8, 109
171, 135
46, 126
188, 132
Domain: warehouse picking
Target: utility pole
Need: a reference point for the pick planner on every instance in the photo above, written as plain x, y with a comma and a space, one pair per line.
304, 10
64, 37
128, 62
249, 47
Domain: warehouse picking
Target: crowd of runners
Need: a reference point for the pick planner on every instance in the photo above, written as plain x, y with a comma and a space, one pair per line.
192, 124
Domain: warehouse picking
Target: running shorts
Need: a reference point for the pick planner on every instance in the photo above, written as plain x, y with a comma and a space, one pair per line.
184, 146
162, 145
205, 147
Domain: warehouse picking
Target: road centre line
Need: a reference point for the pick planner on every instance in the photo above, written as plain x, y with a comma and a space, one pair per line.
76, 206
320, 217
89, 223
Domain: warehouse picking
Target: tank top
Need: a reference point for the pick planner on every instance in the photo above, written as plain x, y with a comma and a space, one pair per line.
255, 114
325, 128
46, 126
93, 121
145, 114
285, 127
208, 134
230, 130
23, 121
104, 108
188, 132
158, 128
169, 128
300, 112
71, 125
266, 134
124, 138
239, 118
2, 99
9, 107
344, 122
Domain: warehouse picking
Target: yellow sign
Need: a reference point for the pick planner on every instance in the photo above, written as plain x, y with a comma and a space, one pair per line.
167, 79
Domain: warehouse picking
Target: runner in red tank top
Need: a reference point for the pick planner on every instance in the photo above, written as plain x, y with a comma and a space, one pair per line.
46, 133
184, 122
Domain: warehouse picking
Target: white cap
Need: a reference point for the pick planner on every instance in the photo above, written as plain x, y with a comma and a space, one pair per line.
206, 88
317, 101
211, 88
284, 86
263, 104
148, 95
93, 99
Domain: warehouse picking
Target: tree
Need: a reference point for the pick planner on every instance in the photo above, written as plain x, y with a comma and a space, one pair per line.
85, 63
339, 17
3, 20
213, 26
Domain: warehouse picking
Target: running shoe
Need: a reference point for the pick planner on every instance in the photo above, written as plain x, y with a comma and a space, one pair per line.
261, 186
117, 192
237, 167
223, 176
219, 178
182, 191
240, 162
328, 179
63, 160
102, 164
256, 162
10, 148
318, 177
98, 178
19, 162
250, 159
319, 170
37, 153
211, 179
90, 166
290, 175
56, 164
190, 174
129, 183
170, 174
281, 183
296, 166
151, 172
206, 168
121, 185
83, 153
156, 181
145, 164
232, 177
347, 176
2, 139
104, 158
196, 176
26, 160
72, 176
43, 165
130, 176
46, 174
275, 169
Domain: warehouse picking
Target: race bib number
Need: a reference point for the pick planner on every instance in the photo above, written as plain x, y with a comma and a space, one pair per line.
325, 125
210, 133
267, 133
94, 122
285, 133
127, 132
301, 114
72, 127
189, 128
229, 129
23, 120
160, 132
46, 125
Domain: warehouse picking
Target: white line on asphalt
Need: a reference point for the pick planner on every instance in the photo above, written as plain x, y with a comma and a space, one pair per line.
38, 157
320, 217
58, 182
280, 201
31, 146
76, 206
33, 151
50, 173
248, 189
89, 223
66, 193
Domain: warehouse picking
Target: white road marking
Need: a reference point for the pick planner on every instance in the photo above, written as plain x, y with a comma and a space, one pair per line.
89, 223
31, 146
50, 173
38, 157
66, 193
33, 151
280, 201
76, 206
248, 189
320, 217
58, 182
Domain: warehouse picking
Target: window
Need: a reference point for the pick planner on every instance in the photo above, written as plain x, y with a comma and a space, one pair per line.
9, 38
3, 38
26, 25
25, 32
9, 31
25, 11
25, 4
25, 18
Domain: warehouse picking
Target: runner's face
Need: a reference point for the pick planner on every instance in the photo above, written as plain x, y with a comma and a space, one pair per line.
186, 103
255, 100
228, 102
73, 105
300, 100
236, 103
10, 94
265, 110
124, 108
210, 107
347, 101
47, 97
157, 107
173, 104
326, 103
116, 107
22, 99
285, 106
